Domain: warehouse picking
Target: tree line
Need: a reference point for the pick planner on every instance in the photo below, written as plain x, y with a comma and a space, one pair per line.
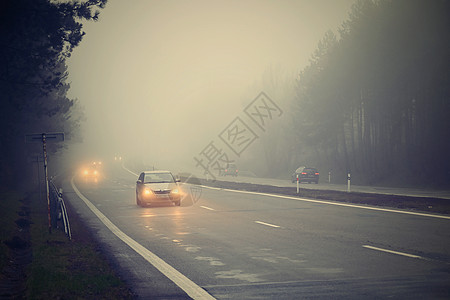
373, 101
36, 38
375, 98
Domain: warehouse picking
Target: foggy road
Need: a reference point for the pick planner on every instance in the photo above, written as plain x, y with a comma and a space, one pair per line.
241, 245
354, 88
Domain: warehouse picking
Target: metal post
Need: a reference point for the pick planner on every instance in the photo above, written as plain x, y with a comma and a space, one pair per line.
39, 179
297, 185
348, 182
44, 143
329, 177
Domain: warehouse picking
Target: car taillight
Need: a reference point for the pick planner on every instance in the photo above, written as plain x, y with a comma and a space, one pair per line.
317, 173
226, 170
304, 173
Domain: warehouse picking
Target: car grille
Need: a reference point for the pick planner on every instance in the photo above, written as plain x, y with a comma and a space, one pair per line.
163, 192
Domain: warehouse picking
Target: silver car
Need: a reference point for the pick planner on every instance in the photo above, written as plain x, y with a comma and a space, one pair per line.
157, 187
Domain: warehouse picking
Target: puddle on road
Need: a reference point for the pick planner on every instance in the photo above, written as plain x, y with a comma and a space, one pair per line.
192, 249
325, 270
239, 275
267, 256
212, 261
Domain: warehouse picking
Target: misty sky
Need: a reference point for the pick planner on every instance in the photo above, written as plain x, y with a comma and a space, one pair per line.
162, 78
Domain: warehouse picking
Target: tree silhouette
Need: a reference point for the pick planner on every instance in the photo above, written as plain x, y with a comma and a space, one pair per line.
375, 100
36, 36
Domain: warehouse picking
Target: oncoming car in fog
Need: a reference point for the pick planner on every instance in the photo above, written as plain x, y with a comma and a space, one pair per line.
92, 170
157, 187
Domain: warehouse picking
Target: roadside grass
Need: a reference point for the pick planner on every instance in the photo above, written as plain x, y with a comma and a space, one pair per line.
10, 203
64, 269
58, 268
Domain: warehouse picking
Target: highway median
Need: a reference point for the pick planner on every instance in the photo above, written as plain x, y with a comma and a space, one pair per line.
410, 203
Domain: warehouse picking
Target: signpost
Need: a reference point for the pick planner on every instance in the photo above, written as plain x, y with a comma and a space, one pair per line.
44, 138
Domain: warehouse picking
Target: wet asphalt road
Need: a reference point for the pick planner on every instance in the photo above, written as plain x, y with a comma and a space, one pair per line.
234, 245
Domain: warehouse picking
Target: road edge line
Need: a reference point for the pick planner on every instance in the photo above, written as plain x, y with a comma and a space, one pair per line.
187, 285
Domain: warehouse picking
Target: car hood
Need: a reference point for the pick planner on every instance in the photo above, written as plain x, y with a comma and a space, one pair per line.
161, 186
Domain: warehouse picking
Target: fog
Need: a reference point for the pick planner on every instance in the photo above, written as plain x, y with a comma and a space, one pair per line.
158, 80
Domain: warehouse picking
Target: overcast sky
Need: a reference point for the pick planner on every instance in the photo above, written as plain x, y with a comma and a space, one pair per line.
160, 77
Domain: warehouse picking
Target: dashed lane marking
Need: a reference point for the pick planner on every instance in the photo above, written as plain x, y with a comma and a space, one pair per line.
393, 252
267, 224
206, 207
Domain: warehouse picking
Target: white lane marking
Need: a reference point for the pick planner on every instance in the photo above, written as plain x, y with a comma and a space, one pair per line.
123, 166
267, 224
187, 285
206, 207
209, 187
337, 204
212, 188
393, 252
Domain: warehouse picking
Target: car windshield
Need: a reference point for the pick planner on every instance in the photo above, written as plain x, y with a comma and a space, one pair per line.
158, 178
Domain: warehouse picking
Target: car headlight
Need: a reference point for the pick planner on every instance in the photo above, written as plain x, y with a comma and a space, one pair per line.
175, 191
148, 192
86, 172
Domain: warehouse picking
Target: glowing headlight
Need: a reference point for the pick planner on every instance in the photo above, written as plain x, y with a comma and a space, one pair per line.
175, 191
86, 172
95, 172
148, 192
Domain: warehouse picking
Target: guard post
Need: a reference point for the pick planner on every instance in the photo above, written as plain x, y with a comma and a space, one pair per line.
348, 181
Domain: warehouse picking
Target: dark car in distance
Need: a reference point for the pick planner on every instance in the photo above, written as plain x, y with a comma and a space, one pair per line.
306, 174
230, 170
